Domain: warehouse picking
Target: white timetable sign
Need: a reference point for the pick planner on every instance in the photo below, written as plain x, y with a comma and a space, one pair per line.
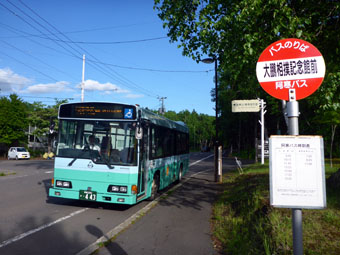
297, 172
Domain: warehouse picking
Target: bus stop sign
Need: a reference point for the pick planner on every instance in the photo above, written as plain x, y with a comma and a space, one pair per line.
290, 64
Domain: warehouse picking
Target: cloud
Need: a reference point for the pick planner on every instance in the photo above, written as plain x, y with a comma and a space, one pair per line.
106, 87
60, 86
12, 82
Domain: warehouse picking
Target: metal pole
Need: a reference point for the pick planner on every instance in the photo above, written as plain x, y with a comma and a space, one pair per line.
82, 80
262, 131
263, 112
220, 163
293, 129
218, 176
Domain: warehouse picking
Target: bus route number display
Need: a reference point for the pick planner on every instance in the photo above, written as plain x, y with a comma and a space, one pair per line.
297, 172
97, 111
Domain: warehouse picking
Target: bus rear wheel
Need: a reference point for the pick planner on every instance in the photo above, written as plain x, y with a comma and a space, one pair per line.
180, 174
154, 187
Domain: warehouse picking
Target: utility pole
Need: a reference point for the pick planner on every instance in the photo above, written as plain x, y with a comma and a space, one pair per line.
82, 80
217, 147
162, 109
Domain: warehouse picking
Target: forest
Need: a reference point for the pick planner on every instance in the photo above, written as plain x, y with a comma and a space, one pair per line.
16, 116
234, 33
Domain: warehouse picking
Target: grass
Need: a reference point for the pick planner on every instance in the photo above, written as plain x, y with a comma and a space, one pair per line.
2, 174
244, 222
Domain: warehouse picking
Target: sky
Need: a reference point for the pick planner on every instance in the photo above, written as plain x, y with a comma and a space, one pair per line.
128, 56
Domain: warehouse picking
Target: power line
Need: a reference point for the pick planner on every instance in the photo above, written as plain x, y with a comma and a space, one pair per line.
121, 78
115, 42
17, 31
79, 31
153, 70
46, 75
17, 15
39, 60
56, 98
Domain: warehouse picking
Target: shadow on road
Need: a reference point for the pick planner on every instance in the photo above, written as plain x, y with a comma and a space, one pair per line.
34, 241
198, 190
113, 248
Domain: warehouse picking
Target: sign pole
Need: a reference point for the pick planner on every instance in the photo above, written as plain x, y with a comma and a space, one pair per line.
279, 70
293, 129
263, 112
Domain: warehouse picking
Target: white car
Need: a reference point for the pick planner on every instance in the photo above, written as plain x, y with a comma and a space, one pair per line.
18, 153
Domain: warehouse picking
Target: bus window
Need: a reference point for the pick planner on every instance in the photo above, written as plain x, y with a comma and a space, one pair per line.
115, 142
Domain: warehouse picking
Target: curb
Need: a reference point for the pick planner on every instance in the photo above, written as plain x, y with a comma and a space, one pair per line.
118, 229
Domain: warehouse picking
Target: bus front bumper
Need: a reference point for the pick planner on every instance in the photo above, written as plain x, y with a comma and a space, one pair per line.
93, 196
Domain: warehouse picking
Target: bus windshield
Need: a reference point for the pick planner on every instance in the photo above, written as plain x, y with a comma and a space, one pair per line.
104, 142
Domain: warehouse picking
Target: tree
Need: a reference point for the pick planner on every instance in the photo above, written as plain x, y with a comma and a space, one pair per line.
328, 111
40, 117
201, 128
235, 32
13, 121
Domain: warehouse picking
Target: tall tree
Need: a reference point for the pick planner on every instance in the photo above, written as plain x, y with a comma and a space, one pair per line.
13, 121
235, 32
40, 117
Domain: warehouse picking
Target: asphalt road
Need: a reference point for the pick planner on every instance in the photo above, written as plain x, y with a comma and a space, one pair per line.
32, 223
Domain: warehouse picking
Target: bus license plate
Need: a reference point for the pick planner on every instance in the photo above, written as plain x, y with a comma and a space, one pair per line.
87, 195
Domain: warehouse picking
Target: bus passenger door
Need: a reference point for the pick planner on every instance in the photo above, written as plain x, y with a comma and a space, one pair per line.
143, 163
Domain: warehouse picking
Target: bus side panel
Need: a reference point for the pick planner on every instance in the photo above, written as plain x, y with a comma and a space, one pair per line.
161, 165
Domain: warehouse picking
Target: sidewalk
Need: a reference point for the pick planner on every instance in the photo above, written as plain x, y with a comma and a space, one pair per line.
178, 224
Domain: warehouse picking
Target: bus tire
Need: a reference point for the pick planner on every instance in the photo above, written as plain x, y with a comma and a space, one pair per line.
154, 187
180, 174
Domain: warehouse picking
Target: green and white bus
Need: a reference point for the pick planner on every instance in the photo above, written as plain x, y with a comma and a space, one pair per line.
116, 153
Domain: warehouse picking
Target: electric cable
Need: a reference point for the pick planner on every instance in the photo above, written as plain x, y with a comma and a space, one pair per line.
39, 60
121, 78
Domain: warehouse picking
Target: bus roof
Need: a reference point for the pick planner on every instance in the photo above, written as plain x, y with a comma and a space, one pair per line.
162, 121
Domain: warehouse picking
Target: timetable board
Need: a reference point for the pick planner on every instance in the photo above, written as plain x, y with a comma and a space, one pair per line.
297, 172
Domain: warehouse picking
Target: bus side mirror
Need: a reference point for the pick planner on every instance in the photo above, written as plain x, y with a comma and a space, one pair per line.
139, 133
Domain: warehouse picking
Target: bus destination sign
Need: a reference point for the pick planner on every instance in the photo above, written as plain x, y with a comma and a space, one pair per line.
97, 111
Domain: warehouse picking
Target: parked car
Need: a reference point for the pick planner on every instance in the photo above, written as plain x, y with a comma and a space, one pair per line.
18, 153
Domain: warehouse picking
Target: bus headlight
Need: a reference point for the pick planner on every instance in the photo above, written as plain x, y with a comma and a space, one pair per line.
122, 189
117, 189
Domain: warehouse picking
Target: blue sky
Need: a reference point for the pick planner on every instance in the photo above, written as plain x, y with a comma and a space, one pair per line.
42, 44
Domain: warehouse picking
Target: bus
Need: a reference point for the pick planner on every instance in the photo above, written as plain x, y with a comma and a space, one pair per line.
116, 153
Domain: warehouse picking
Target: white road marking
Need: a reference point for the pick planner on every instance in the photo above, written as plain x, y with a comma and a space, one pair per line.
90, 247
23, 235
198, 161
48, 172
116, 230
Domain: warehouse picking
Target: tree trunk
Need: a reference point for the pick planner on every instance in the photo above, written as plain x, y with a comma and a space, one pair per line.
332, 140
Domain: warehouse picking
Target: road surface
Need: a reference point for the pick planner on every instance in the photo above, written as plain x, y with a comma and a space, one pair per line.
32, 223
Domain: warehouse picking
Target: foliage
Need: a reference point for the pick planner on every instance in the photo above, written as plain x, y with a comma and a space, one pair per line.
235, 33
13, 120
16, 116
40, 116
246, 224
201, 127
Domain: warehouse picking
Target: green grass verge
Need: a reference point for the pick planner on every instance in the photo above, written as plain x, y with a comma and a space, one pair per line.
2, 174
244, 222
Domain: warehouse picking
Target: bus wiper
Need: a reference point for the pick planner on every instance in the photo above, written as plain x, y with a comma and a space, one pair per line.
105, 161
86, 148
71, 163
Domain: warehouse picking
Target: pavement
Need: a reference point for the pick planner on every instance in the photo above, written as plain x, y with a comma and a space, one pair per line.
177, 223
